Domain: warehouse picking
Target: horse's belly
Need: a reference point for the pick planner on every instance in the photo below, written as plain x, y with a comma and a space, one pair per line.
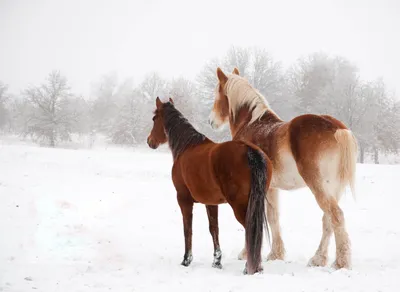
204, 188
208, 196
286, 175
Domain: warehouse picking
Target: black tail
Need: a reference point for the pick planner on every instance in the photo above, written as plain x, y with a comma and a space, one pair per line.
255, 216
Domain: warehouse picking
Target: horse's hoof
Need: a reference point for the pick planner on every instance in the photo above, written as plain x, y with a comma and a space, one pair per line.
318, 261
273, 257
260, 270
242, 255
187, 260
337, 265
217, 265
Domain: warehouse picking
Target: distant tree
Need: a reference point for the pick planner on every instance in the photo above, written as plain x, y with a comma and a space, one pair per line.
82, 108
322, 84
132, 121
4, 114
153, 85
21, 110
127, 127
383, 117
104, 107
240, 58
308, 79
183, 92
207, 80
52, 116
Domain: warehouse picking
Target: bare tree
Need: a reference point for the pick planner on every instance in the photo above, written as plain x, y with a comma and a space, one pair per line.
4, 114
105, 106
127, 128
266, 74
240, 58
207, 80
52, 117
132, 121
153, 85
183, 92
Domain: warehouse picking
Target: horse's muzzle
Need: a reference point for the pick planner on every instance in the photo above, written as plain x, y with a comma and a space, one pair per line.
151, 144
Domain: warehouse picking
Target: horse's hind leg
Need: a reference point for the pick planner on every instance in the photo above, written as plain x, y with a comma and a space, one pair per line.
278, 250
240, 213
243, 253
327, 190
212, 212
333, 220
320, 258
186, 205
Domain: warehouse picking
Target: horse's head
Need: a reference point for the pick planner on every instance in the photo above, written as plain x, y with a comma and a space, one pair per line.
220, 112
233, 93
157, 135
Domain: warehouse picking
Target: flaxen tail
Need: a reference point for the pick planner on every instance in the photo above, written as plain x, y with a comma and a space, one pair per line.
348, 158
256, 219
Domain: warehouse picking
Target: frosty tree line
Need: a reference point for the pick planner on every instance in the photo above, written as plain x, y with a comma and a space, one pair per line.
50, 112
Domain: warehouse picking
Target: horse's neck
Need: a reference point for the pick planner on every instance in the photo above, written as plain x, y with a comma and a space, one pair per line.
183, 136
240, 127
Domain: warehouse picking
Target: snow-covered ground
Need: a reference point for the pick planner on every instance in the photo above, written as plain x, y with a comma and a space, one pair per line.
108, 220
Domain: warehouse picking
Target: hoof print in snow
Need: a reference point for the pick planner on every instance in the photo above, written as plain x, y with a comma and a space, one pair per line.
28, 279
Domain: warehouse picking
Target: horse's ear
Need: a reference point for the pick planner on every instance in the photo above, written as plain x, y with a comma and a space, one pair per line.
158, 102
171, 101
221, 76
236, 71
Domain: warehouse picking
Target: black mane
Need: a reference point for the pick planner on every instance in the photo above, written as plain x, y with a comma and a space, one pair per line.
181, 134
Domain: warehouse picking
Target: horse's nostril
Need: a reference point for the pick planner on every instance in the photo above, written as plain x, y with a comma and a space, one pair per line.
212, 124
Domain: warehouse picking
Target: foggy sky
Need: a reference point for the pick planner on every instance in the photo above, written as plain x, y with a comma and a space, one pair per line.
86, 39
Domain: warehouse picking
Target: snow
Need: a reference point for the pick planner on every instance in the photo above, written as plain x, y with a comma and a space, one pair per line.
108, 220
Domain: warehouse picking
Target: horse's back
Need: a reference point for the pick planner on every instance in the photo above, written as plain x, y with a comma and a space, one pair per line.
297, 144
230, 154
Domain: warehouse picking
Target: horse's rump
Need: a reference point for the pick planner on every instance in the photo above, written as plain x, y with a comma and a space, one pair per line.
325, 144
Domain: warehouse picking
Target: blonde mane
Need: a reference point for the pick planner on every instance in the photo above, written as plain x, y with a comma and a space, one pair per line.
240, 93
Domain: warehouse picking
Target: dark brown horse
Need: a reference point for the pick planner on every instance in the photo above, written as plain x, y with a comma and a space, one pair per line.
317, 151
237, 173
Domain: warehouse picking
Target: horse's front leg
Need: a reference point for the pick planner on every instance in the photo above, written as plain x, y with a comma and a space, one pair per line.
212, 212
186, 205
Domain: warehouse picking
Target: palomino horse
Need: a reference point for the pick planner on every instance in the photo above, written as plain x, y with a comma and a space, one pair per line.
317, 151
234, 172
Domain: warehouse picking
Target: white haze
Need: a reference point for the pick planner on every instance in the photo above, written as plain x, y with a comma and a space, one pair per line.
86, 39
